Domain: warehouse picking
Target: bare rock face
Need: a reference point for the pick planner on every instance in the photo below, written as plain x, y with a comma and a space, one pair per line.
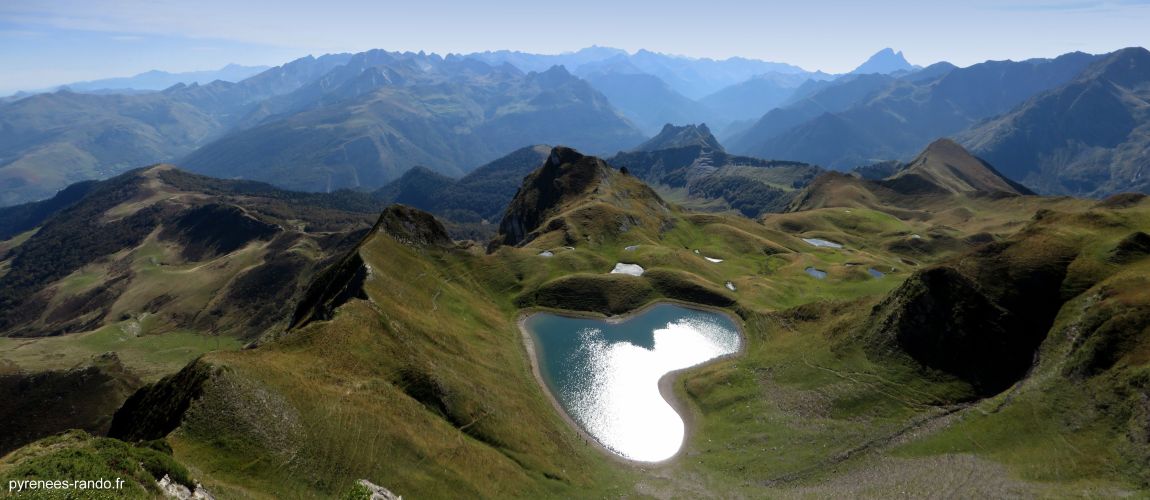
378, 492
172, 489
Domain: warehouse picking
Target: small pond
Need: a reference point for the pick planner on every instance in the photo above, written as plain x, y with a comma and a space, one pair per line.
822, 243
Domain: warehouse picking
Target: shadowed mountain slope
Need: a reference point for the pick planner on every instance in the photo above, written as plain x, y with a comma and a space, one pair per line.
1088, 137
899, 117
119, 252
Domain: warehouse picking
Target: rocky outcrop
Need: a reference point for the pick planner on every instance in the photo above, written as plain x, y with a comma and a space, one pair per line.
413, 227
566, 175
376, 491
173, 489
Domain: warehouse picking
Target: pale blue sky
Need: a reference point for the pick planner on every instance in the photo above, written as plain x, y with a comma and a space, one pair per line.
49, 42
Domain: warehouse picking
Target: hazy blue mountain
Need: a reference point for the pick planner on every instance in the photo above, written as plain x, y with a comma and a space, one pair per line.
750, 99
930, 73
346, 120
367, 122
646, 100
696, 78
419, 187
899, 117
885, 61
692, 77
293, 75
1088, 137
159, 80
53, 140
541, 62
811, 100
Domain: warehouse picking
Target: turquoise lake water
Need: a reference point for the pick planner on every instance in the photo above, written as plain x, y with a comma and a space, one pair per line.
605, 373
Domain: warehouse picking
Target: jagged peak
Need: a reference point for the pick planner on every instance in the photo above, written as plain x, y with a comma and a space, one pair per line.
885, 61
561, 155
564, 176
570, 182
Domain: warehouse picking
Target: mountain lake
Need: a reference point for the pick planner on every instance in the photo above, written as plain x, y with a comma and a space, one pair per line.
605, 373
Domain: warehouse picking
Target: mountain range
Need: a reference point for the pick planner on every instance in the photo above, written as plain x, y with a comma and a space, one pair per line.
1088, 137
360, 121
104, 132
160, 80
398, 112
881, 117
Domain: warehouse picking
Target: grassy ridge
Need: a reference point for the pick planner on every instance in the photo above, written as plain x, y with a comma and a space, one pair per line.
425, 388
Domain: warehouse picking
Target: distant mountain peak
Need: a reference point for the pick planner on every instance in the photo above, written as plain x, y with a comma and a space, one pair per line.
678, 137
885, 61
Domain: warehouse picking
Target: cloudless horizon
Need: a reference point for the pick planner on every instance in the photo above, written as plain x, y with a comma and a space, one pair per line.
53, 42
